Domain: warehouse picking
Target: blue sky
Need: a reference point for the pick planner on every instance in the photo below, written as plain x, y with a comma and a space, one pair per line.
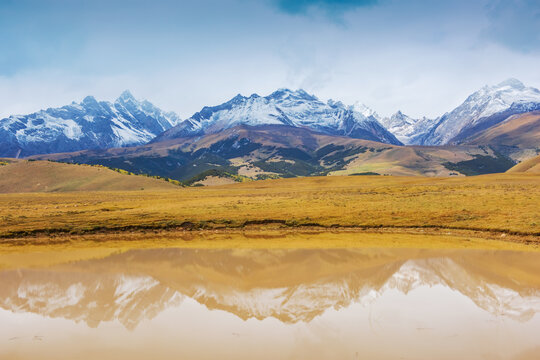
422, 57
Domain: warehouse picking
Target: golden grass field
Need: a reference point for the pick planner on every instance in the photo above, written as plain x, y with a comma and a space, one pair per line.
531, 166
45, 176
503, 206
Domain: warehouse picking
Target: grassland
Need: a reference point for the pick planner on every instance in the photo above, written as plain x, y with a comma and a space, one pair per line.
503, 206
18, 176
531, 166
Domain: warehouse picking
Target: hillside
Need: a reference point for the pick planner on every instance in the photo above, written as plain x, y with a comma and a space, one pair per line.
271, 151
531, 166
521, 130
44, 176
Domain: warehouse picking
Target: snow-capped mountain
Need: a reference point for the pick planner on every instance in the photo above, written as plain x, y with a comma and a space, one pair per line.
86, 125
483, 109
94, 124
405, 128
285, 107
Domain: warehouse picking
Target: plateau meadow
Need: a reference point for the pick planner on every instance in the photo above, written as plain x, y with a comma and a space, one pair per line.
498, 206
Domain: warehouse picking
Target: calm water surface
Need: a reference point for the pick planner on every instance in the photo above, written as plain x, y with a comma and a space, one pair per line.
275, 304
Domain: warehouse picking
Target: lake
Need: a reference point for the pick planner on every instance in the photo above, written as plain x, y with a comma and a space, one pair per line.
189, 303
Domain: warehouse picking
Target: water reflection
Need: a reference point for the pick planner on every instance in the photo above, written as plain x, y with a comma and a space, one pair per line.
337, 303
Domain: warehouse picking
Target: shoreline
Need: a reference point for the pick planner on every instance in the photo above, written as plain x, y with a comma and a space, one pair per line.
183, 236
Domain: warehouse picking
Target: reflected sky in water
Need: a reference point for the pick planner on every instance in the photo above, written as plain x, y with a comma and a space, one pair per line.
269, 304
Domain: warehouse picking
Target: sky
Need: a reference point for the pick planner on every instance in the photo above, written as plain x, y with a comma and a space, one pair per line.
423, 57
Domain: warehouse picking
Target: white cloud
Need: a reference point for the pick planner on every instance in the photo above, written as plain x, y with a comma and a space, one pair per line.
421, 57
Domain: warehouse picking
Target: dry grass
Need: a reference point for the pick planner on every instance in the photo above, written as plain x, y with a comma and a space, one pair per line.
528, 166
45, 176
497, 203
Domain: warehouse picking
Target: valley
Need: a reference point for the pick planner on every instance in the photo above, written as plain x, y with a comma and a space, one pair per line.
287, 160
269, 179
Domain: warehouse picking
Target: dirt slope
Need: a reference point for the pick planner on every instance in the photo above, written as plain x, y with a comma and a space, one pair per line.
520, 130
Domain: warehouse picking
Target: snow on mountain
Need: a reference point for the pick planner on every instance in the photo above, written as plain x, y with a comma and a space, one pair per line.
285, 107
486, 107
98, 125
405, 128
86, 125
364, 110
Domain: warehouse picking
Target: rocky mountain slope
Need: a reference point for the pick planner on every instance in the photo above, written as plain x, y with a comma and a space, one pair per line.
522, 130
90, 124
261, 152
285, 134
485, 108
285, 107
407, 129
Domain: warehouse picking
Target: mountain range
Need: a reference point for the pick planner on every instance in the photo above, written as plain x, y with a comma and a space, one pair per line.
289, 108
90, 124
287, 133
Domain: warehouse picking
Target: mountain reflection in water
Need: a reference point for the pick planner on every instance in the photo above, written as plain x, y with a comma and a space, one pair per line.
328, 304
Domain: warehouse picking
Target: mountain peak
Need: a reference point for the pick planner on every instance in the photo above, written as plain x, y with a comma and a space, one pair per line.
284, 92
126, 96
399, 119
88, 124
364, 110
335, 103
484, 108
281, 92
237, 99
294, 108
301, 92
89, 100
513, 83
